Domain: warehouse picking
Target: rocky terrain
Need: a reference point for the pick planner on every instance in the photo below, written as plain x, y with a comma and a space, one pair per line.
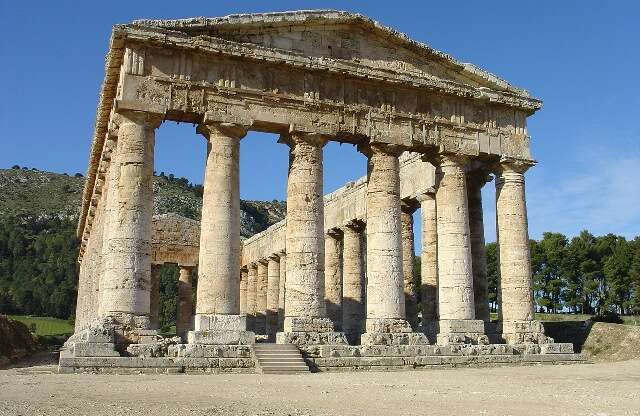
15, 340
37, 193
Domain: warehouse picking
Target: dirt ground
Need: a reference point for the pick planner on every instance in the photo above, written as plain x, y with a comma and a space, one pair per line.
611, 388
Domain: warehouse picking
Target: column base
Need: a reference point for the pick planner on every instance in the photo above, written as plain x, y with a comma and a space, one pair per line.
309, 331
214, 329
523, 332
461, 331
391, 331
111, 336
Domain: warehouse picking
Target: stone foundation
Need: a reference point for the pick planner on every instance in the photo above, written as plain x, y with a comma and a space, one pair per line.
204, 359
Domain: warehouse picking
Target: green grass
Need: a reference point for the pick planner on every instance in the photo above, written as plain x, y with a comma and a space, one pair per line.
628, 320
50, 332
45, 326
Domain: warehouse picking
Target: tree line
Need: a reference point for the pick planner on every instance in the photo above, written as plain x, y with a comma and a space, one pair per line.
585, 274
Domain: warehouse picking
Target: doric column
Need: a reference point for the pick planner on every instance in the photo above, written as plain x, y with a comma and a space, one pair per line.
515, 264
353, 284
184, 310
305, 312
475, 182
429, 261
281, 290
154, 303
126, 282
261, 297
244, 275
252, 280
333, 276
455, 278
218, 297
386, 321
273, 287
408, 255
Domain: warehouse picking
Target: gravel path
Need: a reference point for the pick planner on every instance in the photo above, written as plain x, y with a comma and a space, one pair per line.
586, 389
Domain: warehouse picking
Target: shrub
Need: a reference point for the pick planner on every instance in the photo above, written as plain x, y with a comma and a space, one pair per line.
609, 317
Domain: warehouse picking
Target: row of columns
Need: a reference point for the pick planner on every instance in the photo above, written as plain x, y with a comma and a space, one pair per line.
297, 303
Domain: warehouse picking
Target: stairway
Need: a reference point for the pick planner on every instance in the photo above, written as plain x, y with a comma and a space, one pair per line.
279, 359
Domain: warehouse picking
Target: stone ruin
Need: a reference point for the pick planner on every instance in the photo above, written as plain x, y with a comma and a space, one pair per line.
335, 277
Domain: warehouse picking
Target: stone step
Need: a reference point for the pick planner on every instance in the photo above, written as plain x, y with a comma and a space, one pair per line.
292, 361
279, 359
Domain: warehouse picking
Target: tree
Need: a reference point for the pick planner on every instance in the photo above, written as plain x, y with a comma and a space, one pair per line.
492, 275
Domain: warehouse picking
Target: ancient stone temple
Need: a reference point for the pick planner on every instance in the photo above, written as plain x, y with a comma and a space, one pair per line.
335, 277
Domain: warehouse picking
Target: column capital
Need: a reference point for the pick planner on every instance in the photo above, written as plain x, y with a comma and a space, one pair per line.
235, 131
478, 178
355, 225
429, 195
409, 205
512, 165
334, 233
369, 149
293, 138
274, 257
450, 159
148, 119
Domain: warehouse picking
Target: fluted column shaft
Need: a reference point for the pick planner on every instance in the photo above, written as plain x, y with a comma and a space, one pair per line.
353, 303
252, 281
385, 281
281, 290
429, 258
273, 288
513, 242
262, 282
154, 303
333, 277
455, 277
305, 233
184, 311
126, 283
218, 283
408, 257
244, 275
475, 182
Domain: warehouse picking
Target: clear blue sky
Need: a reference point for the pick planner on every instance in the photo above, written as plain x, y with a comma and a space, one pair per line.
580, 57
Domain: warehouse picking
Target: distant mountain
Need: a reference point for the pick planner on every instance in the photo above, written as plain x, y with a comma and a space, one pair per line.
36, 193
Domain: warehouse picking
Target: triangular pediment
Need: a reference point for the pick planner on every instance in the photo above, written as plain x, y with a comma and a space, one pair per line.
340, 36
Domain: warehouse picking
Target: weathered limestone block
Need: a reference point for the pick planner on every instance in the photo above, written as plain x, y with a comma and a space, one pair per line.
310, 338
475, 182
273, 286
333, 276
353, 287
126, 281
557, 348
184, 312
153, 349
396, 338
218, 282
209, 351
221, 337
410, 297
94, 349
262, 283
